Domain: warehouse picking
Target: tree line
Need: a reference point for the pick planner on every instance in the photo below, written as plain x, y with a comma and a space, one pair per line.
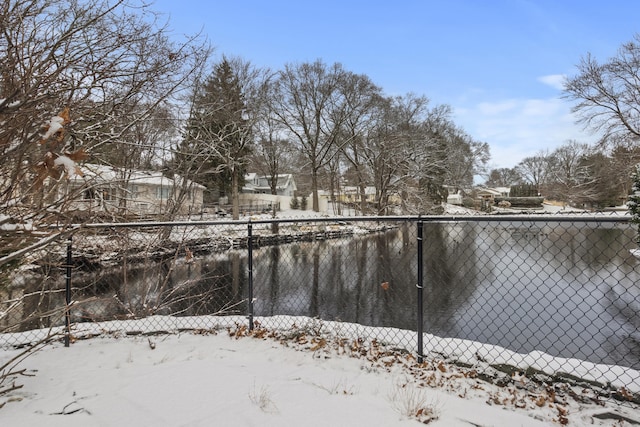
103, 82
107, 82
575, 173
329, 124
605, 96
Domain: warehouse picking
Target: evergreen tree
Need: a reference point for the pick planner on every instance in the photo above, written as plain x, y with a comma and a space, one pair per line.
634, 201
523, 190
295, 203
218, 135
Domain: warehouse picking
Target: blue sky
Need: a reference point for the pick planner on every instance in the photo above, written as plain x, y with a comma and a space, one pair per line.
497, 63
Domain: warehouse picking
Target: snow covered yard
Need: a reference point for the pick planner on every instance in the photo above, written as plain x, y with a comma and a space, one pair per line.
266, 377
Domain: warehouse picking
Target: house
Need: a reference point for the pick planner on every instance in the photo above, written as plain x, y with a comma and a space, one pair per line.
488, 196
455, 195
260, 184
132, 192
351, 194
455, 199
255, 194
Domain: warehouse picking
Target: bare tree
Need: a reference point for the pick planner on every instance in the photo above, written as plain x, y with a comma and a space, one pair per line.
612, 163
607, 189
607, 93
272, 153
466, 158
429, 150
384, 154
570, 177
310, 106
362, 100
503, 177
625, 155
79, 79
406, 152
535, 169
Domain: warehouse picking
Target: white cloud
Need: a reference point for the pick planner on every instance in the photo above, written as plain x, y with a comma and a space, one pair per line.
556, 81
492, 108
519, 128
541, 107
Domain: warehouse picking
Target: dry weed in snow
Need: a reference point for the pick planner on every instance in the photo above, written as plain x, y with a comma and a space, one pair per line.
553, 402
262, 399
412, 402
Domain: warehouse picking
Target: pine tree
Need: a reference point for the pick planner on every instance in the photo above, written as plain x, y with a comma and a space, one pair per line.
218, 134
634, 201
295, 203
523, 190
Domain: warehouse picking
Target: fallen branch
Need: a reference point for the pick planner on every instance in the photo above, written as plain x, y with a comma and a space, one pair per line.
12, 388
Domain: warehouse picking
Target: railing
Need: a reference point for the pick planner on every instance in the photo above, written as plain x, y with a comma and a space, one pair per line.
555, 295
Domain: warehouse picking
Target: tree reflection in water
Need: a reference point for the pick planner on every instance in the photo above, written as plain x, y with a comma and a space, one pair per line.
569, 290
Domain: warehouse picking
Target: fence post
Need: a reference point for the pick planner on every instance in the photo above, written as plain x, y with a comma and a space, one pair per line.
420, 289
67, 293
250, 267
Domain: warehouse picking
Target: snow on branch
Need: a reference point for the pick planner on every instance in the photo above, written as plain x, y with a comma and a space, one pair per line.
53, 163
55, 127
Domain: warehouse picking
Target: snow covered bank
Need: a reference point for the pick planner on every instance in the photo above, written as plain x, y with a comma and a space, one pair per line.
286, 377
480, 356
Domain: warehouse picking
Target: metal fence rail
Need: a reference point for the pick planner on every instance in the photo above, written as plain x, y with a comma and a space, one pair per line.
527, 290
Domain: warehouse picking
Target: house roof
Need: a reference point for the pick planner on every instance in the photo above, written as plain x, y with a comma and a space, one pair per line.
498, 191
106, 173
253, 182
368, 190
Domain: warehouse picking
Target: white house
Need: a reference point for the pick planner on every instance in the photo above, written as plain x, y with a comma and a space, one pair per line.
487, 195
259, 184
351, 194
455, 198
491, 193
136, 192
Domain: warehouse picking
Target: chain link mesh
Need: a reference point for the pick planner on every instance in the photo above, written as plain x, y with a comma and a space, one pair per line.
538, 290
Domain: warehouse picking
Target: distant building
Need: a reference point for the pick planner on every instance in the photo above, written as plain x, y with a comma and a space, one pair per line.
260, 184
488, 196
455, 199
351, 194
456, 195
136, 192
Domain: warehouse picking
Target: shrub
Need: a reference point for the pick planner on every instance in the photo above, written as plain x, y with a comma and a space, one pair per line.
295, 203
633, 202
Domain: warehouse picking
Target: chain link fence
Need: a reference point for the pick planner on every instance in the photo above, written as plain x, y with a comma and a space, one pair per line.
546, 294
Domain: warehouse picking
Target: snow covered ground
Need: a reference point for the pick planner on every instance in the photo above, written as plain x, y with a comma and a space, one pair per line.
288, 377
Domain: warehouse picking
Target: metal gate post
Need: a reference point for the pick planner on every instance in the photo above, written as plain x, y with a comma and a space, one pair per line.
67, 293
250, 279
420, 325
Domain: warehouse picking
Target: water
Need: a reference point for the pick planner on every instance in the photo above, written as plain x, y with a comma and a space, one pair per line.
568, 290
571, 291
